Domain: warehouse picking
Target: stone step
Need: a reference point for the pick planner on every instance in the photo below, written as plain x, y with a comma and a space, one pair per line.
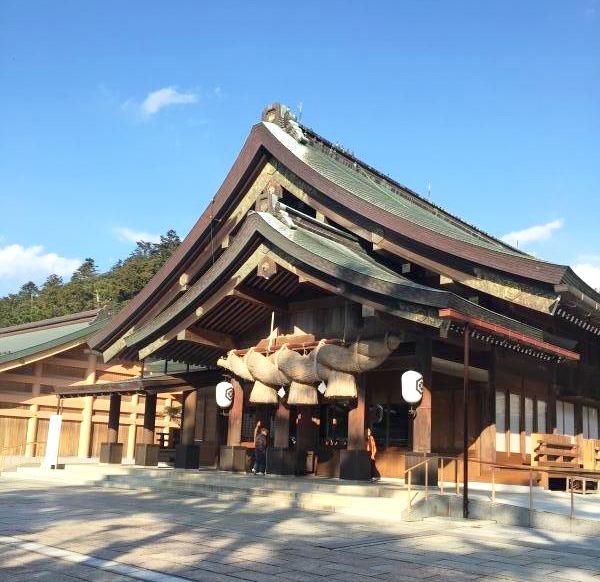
249, 490
227, 479
263, 495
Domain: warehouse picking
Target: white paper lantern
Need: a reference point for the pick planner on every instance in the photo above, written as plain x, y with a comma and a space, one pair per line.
412, 386
224, 394
322, 387
281, 392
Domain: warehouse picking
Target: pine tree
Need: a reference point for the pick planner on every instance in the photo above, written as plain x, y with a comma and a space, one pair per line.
87, 288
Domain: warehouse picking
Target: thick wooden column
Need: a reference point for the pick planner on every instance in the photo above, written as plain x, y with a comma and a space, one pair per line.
149, 418
355, 462
188, 428
112, 450
282, 427
551, 426
85, 430
114, 414
146, 452
187, 453
487, 439
167, 404
132, 430
234, 430
32, 422
356, 419
422, 423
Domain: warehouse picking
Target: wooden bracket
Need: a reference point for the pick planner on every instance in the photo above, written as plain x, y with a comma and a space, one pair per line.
207, 337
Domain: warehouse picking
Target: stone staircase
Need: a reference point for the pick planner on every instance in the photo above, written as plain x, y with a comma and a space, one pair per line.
387, 500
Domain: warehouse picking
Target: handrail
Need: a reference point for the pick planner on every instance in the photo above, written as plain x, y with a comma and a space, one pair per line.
570, 477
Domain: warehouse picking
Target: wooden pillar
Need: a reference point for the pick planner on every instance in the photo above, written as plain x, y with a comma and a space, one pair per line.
188, 428
282, 427
85, 429
149, 418
467, 353
487, 443
421, 441
114, 414
234, 430
356, 419
32, 422
166, 429
551, 426
132, 430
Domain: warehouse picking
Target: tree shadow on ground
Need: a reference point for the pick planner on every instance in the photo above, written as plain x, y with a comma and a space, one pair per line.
217, 540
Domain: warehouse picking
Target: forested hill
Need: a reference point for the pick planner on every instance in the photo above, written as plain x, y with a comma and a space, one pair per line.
88, 289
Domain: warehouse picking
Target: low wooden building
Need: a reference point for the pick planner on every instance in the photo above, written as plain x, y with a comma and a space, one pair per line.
38, 357
312, 282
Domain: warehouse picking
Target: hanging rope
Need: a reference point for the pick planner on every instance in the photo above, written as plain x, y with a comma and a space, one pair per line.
271, 332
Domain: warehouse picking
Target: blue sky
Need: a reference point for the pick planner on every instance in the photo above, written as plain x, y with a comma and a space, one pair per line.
121, 118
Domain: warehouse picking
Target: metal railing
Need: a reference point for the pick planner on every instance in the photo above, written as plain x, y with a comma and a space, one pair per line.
17, 455
570, 478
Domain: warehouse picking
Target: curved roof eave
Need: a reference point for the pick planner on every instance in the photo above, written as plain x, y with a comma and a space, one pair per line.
359, 271
524, 266
66, 340
186, 251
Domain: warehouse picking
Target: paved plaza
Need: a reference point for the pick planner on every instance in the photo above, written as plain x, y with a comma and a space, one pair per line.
56, 533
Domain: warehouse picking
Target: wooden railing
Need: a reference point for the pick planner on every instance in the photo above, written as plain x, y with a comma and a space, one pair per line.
571, 477
17, 455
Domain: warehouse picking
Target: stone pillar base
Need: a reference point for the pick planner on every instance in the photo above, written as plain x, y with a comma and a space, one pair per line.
209, 454
355, 465
281, 461
111, 453
233, 458
146, 455
186, 457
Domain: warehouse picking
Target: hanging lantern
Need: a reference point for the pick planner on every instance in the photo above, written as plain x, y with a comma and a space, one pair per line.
322, 387
224, 393
412, 386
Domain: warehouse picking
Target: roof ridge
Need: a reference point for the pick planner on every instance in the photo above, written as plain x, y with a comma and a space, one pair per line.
70, 318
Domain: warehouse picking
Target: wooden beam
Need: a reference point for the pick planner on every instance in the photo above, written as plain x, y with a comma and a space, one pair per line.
40, 355
320, 303
226, 290
207, 337
510, 334
261, 298
44, 380
116, 368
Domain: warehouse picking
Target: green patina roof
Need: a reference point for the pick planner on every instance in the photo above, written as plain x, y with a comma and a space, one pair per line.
359, 183
24, 344
346, 256
344, 261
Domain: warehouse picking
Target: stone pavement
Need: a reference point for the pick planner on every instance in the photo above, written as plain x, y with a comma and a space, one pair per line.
55, 534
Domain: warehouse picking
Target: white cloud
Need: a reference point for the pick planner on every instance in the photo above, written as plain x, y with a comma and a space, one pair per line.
164, 97
22, 264
589, 273
533, 233
126, 234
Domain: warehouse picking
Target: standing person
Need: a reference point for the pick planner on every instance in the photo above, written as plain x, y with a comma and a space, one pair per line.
260, 451
372, 448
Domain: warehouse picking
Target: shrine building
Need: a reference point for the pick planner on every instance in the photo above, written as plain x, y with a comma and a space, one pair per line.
310, 284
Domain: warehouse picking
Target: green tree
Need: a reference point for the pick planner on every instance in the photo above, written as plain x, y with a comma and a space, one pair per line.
87, 288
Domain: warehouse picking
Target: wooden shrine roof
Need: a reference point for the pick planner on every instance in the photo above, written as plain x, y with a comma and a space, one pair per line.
157, 383
341, 266
346, 191
23, 343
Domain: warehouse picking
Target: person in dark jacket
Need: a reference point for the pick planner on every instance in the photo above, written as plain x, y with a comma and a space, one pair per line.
260, 451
